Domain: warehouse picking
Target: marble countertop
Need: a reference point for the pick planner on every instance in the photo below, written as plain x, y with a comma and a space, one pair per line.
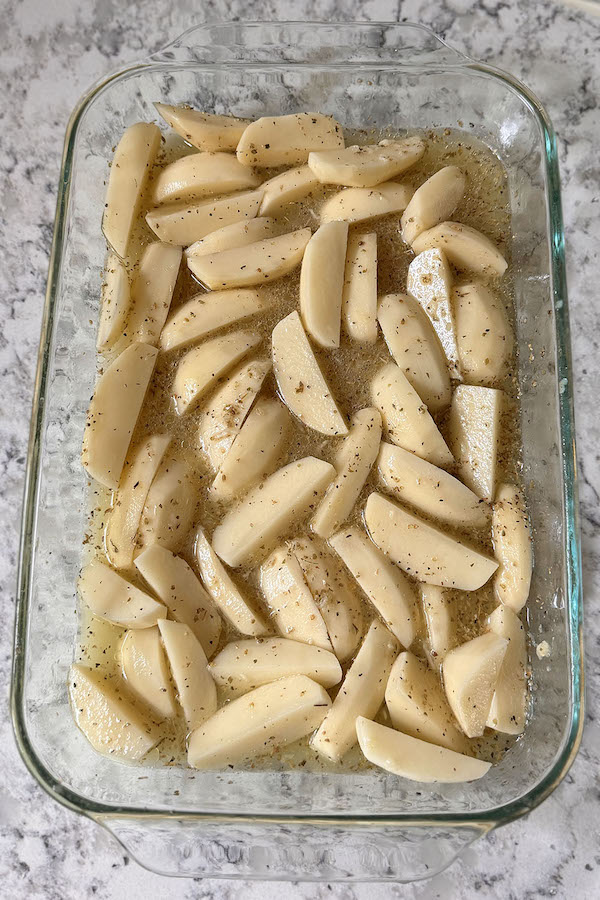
50, 53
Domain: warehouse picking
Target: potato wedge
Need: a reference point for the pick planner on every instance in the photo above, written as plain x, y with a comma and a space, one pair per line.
203, 366
109, 425
252, 264
152, 292
287, 140
361, 693
114, 303
433, 202
111, 597
418, 706
485, 338
185, 223
225, 593
176, 584
470, 674
511, 534
474, 435
429, 281
170, 506
353, 462
206, 313
416, 760
416, 348
362, 204
196, 690
430, 489
366, 166
290, 601
439, 623
322, 283
145, 670
465, 247
131, 165
200, 175
206, 131
406, 418
359, 297
243, 665
270, 716
255, 451
300, 380
426, 553
110, 722
271, 509
509, 703
289, 187
239, 234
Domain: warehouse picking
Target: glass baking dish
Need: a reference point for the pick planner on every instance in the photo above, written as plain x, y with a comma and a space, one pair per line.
296, 825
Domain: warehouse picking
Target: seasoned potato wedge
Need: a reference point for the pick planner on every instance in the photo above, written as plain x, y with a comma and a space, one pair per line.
205, 131
201, 367
111, 597
114, 304
185, 223
322, 282
243, 665
287, 140
511, 534
238, 234
206, 313
152, 292
366, 166
362, 204
485, 338
465, 247
439, 623
509, 703
429, 281
289, 187
145, 669
359, 297
470, 676
474, 435
200, 175
196, 690
433, 202
170, 505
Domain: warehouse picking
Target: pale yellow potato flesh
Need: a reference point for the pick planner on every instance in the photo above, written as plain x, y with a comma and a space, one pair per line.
109, 596
429, 281
433, 202
322, 283
152, 292
361, 693
252, 264
270, 510
272, 715
239, 234
368, 165
109, 425
186, 223
200, 175
178, 587
465, 247
300, 380
413, 759
362, 204
508, 710
484, 334
206, 131
470, 674
287, 140
243, 665
474, 436
170, 505
406, 419
114, 304
513, 548
439, 623
145, 670
196, 690
416, 348
110, 722
425, 552
131, 165
359, 296
206, 313
289, 187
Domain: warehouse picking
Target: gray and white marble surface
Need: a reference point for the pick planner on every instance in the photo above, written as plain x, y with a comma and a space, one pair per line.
50, 52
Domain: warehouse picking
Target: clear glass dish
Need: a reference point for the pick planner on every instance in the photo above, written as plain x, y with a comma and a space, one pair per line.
294, 825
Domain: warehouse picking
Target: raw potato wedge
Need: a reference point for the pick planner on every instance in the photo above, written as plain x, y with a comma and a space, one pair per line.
114, 303
429, 489
206, 313
222, 419
129, 500
152, 292
271, 509
287, 140
470, 675
433, 202
416, 760
205, 131
366, 166
243, 665
170, 506
109, 425
196, 690
289, 187
406, 418
385, 585
131, 164
111, 597
353, 462
511, 534
290, 601
423, 551
509, 703
439, 622
200, 175
224, 592
417, 704
255, 451
300, 380
361, 204
252, 264
361, 693
185, 223
359, 297
322, 283
145, 670
474, 435
239, 234
465, 247
201, 367
112, 724
173, 580
416, 348
485, 339
429, 281
270, 716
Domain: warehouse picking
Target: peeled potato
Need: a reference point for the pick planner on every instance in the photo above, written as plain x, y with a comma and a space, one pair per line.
322, 282
152, 292
465, 247
361, 204
429, 281
145, 669
114, 305
439, 622
509, 703
196, 690
111, 597
513, 549
359, 297
485, 339
170, 505
287, 140
243, 665
185, 223
290, 186
206, 313
202, 174
368, 165
470, 675
433, 202
238, 234
205, 131
474, 436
